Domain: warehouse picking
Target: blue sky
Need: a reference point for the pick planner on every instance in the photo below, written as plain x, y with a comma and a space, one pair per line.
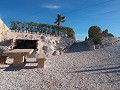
80, 14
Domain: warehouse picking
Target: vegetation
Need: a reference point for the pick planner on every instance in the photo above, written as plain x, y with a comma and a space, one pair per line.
71, 33
42, 28
59, 19
86, 38
105, 32
95, 34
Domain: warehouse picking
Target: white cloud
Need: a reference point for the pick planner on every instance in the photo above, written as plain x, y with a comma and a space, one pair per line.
81, 35
51, 6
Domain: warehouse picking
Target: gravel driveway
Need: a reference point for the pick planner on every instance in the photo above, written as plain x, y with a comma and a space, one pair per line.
87, 70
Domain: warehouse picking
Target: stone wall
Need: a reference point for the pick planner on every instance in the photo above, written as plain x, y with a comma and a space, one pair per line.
48, 43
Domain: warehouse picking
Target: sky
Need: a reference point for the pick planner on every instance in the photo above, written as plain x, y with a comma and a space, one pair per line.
80, 14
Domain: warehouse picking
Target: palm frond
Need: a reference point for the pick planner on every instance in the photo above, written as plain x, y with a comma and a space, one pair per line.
62, 20
63, 17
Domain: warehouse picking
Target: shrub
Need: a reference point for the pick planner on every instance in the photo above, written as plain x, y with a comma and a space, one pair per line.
105, 32
95, 33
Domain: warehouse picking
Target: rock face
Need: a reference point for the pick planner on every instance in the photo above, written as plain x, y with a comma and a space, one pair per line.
110, 40
3, 26
90, 42
56, 53
1, 38
45, 42
2, 49
97, 46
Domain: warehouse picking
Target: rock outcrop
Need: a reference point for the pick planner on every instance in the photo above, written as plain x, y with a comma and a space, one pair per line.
3, 28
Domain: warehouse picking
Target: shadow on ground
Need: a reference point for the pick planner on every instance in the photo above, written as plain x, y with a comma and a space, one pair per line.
11, 68
103, 68
98, 70
78, 47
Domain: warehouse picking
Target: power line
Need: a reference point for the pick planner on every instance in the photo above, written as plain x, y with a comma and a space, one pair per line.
85, 7
81, 8
113, 11
78, 9
89, 6
102, 13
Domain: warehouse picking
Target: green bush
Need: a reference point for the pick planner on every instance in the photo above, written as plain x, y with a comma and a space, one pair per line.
105, 32
95, 34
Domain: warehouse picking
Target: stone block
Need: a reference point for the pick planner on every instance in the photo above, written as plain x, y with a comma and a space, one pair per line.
97, 46
40, 60
3, 59
18, 61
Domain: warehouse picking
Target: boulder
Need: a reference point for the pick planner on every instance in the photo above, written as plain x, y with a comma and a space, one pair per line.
90, 42
48, 49
1, 37
97, 46
92, 47
56, 52
43, 38
2, 49
49, 42
45, 48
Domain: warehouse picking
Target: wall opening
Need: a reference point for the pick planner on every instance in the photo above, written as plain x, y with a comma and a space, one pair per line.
25, 44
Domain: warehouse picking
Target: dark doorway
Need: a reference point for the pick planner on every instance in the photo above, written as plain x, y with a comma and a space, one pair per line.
25, 44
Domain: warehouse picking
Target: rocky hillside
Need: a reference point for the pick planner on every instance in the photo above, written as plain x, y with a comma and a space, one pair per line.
110, 39
107, 40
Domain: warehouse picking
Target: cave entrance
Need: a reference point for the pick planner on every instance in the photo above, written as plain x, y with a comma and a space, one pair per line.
25, 44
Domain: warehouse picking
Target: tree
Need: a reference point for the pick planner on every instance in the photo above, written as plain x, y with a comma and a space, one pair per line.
59, 19
86, 38
105, 32
95, 34
70, 33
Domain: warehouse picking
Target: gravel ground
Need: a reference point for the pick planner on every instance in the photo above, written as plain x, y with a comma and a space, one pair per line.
87, 70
